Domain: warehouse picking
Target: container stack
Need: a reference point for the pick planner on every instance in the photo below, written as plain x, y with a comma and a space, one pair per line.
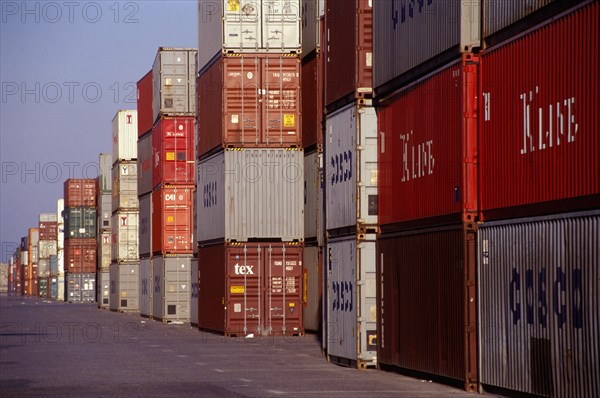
80, 240
31, 271
48, 250
124, 267
249, 193
60, 250
104, 204
4, 272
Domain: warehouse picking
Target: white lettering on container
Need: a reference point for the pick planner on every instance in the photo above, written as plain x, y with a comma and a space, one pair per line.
417, 161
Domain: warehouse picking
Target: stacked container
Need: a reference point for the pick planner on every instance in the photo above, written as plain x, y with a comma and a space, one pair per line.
31, 271
60, 250
250, 222
124, 267
80, 248
104, 203
48, 247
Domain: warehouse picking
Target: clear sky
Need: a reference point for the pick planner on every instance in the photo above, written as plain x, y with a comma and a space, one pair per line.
65, 69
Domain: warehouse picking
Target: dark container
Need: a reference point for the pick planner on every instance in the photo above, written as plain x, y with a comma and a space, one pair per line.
43, 287
80, 287
312, 102
145, 164
80, 192
48, 230
144, 104
80, 222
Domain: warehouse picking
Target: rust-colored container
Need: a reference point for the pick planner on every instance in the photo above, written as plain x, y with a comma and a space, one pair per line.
144, 104
540, 132
312, 102
250, 101
428, 150
348, 49
427, 302
173, 151
48, 230
80, 192
172, 219
250, 288
80, 255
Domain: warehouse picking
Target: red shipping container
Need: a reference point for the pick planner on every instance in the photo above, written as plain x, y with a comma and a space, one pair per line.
348, 50
250, 288
173, 151
80, 255
172, 219
428, 150
312, 102
144, 104
80, 192
540, 136
250, 101
48, 230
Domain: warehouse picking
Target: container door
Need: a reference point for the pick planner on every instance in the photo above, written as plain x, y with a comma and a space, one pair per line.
242, 25
244, 291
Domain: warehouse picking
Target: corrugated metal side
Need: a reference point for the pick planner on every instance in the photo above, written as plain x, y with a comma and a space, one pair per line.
47, 248
48, 229
194, 298
310, 26
79, 192
499, 14
105, 174
312, 102
145, 228
105, 211
173, 82
47, 218
540, 305
125, 186
172, 220
80, 222
146, 287
171, 295
103, 285
104, 250
210, 198
53, 265
80, 288
145, 165
544, 124
173, 151
144, 104
312, 296
212, 282
312, 195
210, 31
125, 236
124, 287
80, 255
43, 268
209, 109
124, 136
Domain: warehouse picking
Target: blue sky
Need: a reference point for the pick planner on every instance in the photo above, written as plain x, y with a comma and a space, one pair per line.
65, 69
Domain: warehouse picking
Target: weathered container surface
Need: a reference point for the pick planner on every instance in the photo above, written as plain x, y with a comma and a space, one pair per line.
251, 194
250, 101
173, 151
42, 287
498, 14
48, 229
80, 222
172, 286
53, 262
544, 124
172, 220
43, 268
412, 38
125, 236
312, 296
259, 26
312, 102
125, 186
47, 248
539, 304
104, 250
80, 287
348, 49
60, 288
145, 109
310, 27
145, 164
351, 167
194, 300
4, 278
53, 288
146, 287
47, 217
428, 148
313, 198
105, 211
173, 83
24, 257
124, 287
124, 136
80, 255
145, 228
104, 289
351, 313
427, 302
105, 175
79, 192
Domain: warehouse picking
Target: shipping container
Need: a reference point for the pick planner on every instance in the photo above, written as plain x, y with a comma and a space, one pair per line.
427, 303
173, 151
349, 51
173, 82
312, 102
42, 287
411, 39
248, 26
172, 285
251, 194
146, 287
250, 288
104, 250
312, 293
172, 220
249, 101
105, 175
80, 222
124, 287
194, 293
53, 262
313, 198
4, 278
104, 211
79, 192
48, 217
47, 248
544, 124
80, 255
125, 236
53, 288
145, 108
539, 306
80, 288
60, 295
351, 170
124, 136
428, 150
145, 228
43, 268
104, 288
145, 164
125, 189
310, 27
48, 229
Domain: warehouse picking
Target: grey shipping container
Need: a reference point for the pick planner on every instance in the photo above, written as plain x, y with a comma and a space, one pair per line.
43, 269
104, 250
80, 288
310, 26
47, 248
311, 317
104, 289
313, 198
48, 217
105, 211
124, 287
125, 190
500, 14
172, 285
53, 287
125, 236
54, 265
146, 287
174, 82
145, 164
43, 287
351, 302
251, 194
61, 287
80, 222
105, 176
539, 306
145, 228
194, 293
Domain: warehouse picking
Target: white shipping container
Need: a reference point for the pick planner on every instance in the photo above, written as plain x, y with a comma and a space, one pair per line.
146, 287
251, 194
145, 229
313, 198
125, 236
103, 285
105, 175
248, 26
47, 248
351, 302
25, 257
124, 287
351, 167
48, 217
61, 287
43, 269
172, 285
124, 135
125, 188
105, 211
174, 82
310, 26
104, 250
194, 293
